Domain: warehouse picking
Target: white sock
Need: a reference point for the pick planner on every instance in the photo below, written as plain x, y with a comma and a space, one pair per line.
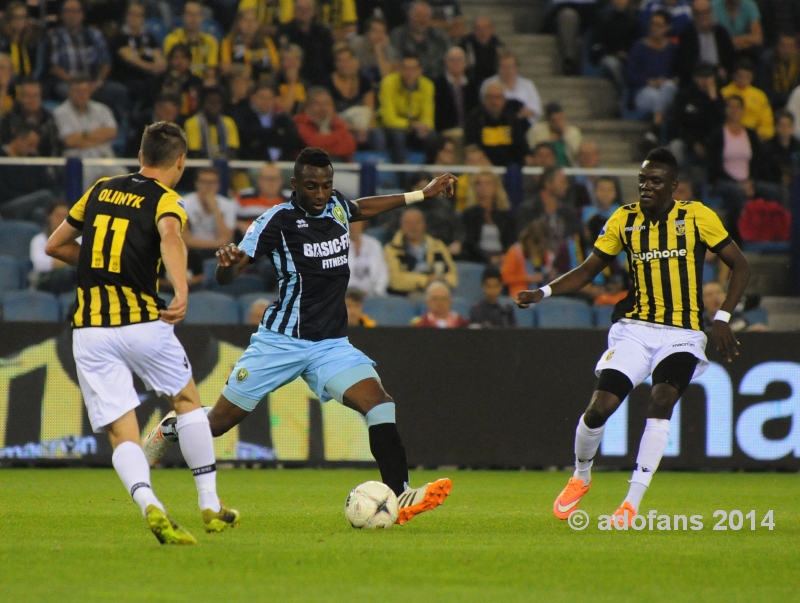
651, 449
131, 466
197, 446
587, 441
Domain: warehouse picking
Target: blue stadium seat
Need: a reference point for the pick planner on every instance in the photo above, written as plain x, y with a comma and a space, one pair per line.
246, 300
208, 307
379, 233
65, 301
35, 306
757, 316
563, 313
768, 247
246, 283
157, 28
391, 311
461, 306
602, 316
10, 274
469, 280
167, 297
415, 157
15, 238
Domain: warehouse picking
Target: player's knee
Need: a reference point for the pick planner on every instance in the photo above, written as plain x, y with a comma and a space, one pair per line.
663, 400
600, 409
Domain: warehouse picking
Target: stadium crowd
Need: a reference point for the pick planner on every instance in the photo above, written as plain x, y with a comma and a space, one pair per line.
411, 82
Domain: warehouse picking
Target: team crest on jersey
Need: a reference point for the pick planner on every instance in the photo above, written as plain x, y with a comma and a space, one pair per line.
241, 375
338, 213
680, 227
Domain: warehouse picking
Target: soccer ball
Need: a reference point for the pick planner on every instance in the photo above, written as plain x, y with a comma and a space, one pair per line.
371, 506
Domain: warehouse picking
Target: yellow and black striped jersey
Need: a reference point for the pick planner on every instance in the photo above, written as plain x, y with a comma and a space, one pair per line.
665, 261
120, 255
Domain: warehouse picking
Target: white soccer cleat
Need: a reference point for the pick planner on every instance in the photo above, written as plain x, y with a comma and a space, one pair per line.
162, 436
425, 498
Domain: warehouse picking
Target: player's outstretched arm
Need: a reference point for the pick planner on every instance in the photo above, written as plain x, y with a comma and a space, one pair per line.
232, 262
62, 244
740, 276
369, 207
173, 254
574, 280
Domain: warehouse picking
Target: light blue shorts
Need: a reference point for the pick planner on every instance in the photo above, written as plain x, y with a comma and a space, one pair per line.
272, 360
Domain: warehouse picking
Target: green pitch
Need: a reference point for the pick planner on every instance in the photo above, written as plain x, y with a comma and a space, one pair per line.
74, 535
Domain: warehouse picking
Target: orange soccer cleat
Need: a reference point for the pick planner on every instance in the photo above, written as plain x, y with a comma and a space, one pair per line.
568, 500
414, 501
624, 515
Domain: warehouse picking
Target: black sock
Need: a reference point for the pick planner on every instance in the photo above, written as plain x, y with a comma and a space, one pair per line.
386, 447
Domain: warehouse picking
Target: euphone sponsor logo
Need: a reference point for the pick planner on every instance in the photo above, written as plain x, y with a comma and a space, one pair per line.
721, 521
657, 254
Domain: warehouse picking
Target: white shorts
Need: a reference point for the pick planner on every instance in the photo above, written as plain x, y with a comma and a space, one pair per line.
636, 348
106, 356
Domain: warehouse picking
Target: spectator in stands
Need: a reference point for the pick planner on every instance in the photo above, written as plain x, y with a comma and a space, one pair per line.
605, 197
203, 47
516, 87
699, 112
616, 32
742, 19
256, 311
25, 187
420, 38
78, 51
713, 296
488, 222
166, 107
481, 48
209, 133
315, 40
543, 155
50, 274
86, 128
21, 39
291, 86
439, 313
757, 112
607, 287
28, 110
270, 13
489, 312
650, 72
178, 80
496, 127
528, 264
391, 11
446, 15
339, 16
705, 41
368, 270
456, 95
783, 72
354, 300
319, 126
7, 90
559, 221
415, 259
569, 19
782, 152
407, 109
254, 201
565, 138
249, 49
735, 164
374, 51
264, 130
679, 10
211, 219
442, 151
137, 57
473, 156
353, 96
778, 16
584, 185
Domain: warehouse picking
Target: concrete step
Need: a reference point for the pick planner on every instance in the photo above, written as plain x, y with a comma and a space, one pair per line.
527, 15
598, 93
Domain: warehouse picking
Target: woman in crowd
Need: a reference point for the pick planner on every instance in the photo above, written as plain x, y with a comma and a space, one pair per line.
488, 222
179, 80
22, 41
353, 96
247, 45
291, 87
528, 264
374, 52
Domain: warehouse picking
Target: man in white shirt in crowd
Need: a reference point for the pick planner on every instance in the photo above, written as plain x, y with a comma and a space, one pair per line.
368, 270
50, 274
516, 87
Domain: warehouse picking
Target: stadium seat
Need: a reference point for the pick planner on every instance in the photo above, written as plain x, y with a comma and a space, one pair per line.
757, 316
208, 307
461, 306
65, 301
10, 274
524, 317
563, 313
379, 233
34, 306
602, 316
246, 300
15, 238
469, 280
245, 284
391, 311
415, 157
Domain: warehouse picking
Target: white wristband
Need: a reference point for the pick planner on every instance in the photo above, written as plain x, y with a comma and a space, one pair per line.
414, 197
546, 291
723, 316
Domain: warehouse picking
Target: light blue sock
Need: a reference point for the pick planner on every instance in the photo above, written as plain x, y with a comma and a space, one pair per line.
382, 413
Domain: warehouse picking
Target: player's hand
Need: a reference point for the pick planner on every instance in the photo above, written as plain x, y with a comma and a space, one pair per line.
176, 311
446, 183
229, 254
726, 340
527, 298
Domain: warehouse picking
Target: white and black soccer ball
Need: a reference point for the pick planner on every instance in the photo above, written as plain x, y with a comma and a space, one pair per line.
371, 506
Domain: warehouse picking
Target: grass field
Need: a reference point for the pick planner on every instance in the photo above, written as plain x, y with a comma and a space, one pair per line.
74, 535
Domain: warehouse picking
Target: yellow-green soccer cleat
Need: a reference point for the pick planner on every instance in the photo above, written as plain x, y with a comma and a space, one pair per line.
166, 530
216, 521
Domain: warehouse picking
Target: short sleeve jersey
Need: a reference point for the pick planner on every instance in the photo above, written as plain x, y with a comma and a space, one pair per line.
310, 254
665, 261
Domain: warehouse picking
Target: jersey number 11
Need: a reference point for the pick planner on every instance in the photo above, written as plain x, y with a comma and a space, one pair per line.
120, 228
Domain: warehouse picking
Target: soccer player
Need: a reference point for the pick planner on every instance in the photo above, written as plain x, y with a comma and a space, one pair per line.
130, 224
658, 327
304, 334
